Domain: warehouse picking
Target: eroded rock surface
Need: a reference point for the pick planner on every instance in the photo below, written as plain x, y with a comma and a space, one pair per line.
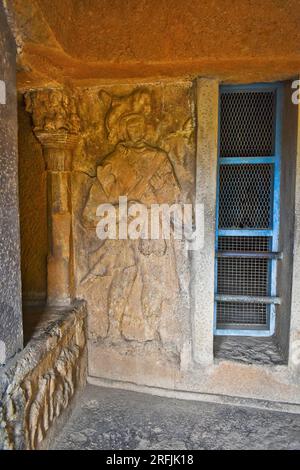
248, 350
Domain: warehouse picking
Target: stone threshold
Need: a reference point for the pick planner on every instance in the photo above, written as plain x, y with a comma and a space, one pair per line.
181, 394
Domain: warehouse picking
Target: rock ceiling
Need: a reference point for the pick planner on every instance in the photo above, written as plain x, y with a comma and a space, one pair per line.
86, 41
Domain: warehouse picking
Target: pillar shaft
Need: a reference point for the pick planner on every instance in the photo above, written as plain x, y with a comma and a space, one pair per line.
57, 149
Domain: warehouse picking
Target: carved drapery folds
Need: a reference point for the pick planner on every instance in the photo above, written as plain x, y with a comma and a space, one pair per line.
134, 145
57, 126
130, 272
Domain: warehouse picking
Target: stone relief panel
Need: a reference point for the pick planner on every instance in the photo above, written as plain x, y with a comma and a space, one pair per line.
139, 143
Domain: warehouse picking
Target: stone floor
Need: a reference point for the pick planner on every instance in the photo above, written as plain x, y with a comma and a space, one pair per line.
114, 419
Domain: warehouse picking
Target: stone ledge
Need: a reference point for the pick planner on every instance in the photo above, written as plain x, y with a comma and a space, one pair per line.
38, 384
196, 396
248, 350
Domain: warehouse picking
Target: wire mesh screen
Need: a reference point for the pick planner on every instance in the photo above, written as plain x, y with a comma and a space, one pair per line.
258, 244
245, 201
247, 125
245, 196
243, 276
235, 313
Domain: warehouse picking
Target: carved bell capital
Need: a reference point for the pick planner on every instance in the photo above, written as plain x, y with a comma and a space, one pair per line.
57, 149
56, 125
57, 140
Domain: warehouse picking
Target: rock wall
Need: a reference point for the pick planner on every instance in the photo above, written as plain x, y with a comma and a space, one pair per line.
38, 388
33, 208
144, 327
11, 339
130, 313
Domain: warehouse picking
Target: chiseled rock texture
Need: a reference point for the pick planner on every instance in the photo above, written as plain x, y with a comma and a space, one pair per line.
43, 379
85, 41
11, 339
248, 350
116, 419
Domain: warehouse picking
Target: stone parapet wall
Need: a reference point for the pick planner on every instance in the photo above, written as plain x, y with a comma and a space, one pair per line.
40, 383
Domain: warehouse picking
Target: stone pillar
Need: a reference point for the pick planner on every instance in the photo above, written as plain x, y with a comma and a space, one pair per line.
56, 125
11, 331
294, 346
57, 149
206, 190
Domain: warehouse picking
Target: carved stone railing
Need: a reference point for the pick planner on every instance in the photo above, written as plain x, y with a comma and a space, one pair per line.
39, 387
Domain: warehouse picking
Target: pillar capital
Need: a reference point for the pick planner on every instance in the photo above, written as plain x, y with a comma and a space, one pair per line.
57, 140
54, 110
57, 149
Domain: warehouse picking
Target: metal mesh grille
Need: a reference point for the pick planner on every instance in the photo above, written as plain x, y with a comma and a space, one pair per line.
247, 126
243, 276
247, 129
259, 244
241, 313
245, 198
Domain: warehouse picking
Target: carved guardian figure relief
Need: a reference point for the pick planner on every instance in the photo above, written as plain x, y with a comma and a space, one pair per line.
124, 277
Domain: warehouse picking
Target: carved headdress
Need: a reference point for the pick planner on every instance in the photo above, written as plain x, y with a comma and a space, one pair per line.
120, 109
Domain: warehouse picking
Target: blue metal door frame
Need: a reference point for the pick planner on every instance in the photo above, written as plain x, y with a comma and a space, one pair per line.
273, 231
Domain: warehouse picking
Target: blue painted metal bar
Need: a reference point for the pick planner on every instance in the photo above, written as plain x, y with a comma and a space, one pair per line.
244, 233
245, 332
276, 201
217, 222
251, 87
245, 160
249, 254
